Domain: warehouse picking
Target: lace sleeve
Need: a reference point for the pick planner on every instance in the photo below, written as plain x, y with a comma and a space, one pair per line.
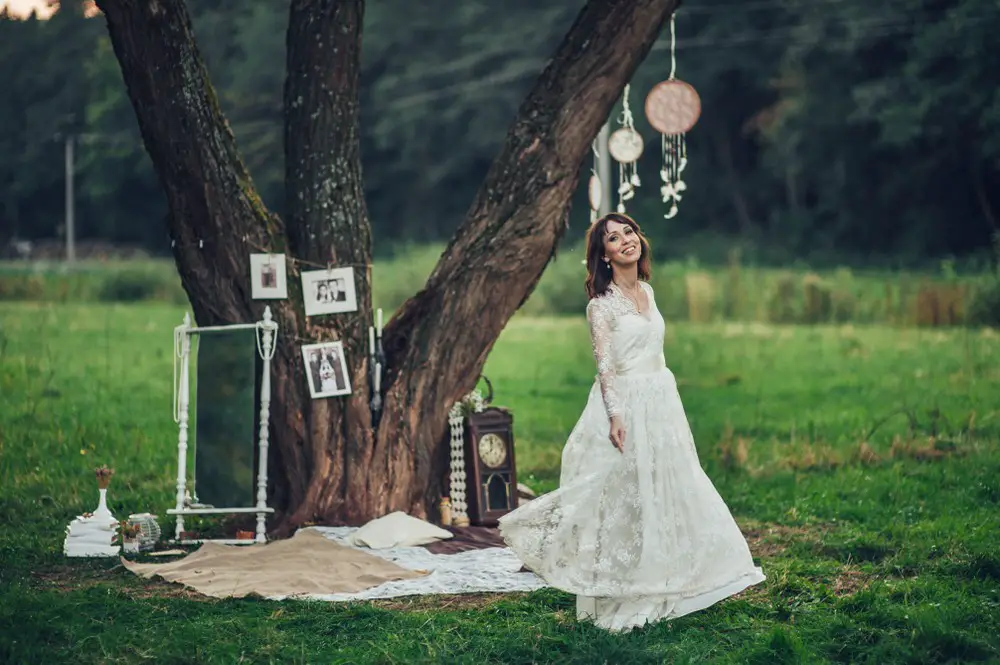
600, 338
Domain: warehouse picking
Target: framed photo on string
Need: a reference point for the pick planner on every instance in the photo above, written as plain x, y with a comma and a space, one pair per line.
329, 291
268, 277
326, 369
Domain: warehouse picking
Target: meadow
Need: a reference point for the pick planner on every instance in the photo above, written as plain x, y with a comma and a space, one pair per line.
861, 459
686, 290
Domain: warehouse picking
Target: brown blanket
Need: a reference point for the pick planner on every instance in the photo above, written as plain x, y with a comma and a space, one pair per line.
467, 538
306, 563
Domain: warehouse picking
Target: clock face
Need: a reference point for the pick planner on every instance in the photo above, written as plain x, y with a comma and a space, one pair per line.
492, 450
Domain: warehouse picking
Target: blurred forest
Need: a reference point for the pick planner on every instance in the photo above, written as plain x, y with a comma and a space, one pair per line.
832, 130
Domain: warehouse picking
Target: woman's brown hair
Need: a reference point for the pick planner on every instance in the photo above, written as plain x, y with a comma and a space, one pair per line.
599, 272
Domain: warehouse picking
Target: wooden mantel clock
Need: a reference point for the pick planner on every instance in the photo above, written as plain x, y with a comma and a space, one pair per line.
491, 489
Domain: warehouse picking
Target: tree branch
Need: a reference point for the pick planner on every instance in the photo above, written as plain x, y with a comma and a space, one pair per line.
521, 210
516, 220
209, 192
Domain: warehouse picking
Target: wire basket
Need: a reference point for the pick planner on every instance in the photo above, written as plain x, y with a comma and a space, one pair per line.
149, 530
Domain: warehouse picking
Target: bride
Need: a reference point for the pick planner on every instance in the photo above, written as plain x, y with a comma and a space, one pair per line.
636, 529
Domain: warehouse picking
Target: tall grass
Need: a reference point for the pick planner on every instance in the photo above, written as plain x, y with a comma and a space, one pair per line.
117, 281
685, 291
688, 291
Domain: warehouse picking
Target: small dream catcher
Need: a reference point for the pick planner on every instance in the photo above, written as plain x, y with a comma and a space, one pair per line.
673, 108
625, 146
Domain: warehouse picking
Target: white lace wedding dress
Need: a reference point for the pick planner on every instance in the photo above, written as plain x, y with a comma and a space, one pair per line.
643, 535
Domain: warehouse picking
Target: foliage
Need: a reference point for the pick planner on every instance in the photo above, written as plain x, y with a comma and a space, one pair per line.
885, 556
837, 128
129, 287
985, 307
120, 281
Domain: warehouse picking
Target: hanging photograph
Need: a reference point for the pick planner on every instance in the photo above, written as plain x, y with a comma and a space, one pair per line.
267, 277
326, 369
329, 291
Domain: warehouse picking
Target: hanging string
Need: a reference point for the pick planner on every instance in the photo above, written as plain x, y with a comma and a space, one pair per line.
673, 47
628, 173
625, 119
304, 262
200, 244
673, 146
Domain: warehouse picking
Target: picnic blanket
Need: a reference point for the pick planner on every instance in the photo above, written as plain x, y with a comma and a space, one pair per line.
304, 565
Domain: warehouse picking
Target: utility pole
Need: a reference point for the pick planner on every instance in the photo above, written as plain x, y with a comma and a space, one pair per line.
70, 221
604, 167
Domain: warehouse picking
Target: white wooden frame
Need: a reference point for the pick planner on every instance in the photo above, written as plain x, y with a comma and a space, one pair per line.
267, 332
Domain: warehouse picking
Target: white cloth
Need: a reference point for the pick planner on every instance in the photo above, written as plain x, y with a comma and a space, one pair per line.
644, 533
491, 570
398, 529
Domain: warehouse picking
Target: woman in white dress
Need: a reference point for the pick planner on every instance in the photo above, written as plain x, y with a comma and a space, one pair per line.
636, 529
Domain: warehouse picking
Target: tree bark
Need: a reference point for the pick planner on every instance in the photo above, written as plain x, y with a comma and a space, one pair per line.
329, 465
327, 223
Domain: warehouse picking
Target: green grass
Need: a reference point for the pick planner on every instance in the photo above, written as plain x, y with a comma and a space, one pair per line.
885, 553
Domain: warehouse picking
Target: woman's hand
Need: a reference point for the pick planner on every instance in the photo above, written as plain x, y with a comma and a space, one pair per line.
618, 433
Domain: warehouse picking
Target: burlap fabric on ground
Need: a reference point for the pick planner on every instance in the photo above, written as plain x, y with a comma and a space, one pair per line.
305, 564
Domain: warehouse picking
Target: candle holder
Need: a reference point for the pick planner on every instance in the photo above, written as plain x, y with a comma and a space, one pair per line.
376, 369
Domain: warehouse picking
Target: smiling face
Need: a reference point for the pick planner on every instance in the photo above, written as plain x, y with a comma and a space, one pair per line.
615, 240
622, 246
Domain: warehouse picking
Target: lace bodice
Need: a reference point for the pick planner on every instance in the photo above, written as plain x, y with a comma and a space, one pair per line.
625, 341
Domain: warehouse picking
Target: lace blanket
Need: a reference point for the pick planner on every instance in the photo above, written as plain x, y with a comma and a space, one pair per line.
488, 570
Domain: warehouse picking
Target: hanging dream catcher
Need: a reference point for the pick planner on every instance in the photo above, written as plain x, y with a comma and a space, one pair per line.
673, 108
625, 145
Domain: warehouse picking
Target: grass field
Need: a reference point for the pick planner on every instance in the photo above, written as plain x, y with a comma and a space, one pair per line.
862, 462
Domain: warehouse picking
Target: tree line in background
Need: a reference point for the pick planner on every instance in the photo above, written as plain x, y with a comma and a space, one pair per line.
831, 129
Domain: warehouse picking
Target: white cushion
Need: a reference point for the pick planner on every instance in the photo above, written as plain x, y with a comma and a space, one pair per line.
397, 530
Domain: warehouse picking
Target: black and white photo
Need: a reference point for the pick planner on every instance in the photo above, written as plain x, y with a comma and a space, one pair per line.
326, 369
329, 291
268, 279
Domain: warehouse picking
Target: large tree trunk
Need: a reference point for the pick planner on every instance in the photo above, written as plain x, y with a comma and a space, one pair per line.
328, 464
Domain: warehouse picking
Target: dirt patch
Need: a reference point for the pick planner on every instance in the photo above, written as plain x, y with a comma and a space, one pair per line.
69, 578
444, 603
147, 589
849, 581
65, 578
768, 540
